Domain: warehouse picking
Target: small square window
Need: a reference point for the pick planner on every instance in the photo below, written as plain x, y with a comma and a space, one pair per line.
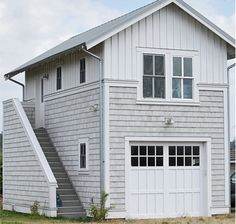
151, 161
196, 150
172, 150
143, 161
159, 150
172, 161
159, 161
196, 161
188, 161
134, 161
188, 150
151, 150
180, 161
143, 150
134, 150
180, 150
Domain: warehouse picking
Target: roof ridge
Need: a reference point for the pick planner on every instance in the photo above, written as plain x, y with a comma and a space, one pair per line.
125, 14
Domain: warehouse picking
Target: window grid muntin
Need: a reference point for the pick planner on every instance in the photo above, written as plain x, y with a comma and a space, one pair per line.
184, 156
138, 158
153, 76
182, 77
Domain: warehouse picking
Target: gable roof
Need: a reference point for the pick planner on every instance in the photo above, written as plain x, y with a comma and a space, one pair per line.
100, 33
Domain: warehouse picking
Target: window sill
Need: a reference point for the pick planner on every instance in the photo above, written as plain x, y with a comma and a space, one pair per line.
83, 172
165, 102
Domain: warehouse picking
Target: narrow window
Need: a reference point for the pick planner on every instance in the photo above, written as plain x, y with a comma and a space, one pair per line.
42, 92
59, 80
182, 81
82, 71
83, 152
154, 76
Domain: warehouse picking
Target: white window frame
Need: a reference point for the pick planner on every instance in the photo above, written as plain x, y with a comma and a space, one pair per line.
169, 54
86, 142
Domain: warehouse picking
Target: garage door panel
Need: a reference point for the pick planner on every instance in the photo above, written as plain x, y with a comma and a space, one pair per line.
166, 189
159, 180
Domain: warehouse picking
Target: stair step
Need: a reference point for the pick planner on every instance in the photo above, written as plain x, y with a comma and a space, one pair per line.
65, 186
55, 164
71, 215
61, 177
70, 209
68, 197
66, 191
67, 203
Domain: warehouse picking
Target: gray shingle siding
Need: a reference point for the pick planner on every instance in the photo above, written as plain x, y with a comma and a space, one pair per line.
130, 119
24, 180
69, 119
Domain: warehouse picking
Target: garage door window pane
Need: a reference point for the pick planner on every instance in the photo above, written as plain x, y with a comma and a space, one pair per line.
134, 150
151, 150
172, 161
188, 150
143, 161
196, 161
195, 150
180, 150
159, 161
159, 150
188, 161
172, 150
143, 150
134, 161
151, 161
180, 161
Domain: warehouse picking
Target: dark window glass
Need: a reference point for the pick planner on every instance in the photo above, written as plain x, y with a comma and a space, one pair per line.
196, 161
159, 150
180, 161
134, 161
147, 87
143, 150
151, 161
134, 150
172, 150
188, 150
159, 161
42, 90
82, 71
172, 161
188, 88
151, 150
180, 150
59, 78
143, 161
196, 150
159, 84
148, 65
188, 161
159, 65
83, 155
188, 67
177, 66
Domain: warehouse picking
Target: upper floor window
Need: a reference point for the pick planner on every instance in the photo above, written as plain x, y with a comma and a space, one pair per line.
154, 76
82, 71
182, 80
59, 78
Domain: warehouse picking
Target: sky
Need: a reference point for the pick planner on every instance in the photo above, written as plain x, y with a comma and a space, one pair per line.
30, 27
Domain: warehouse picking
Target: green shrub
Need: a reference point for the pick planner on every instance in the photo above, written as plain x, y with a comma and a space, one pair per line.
98, 211
35, 208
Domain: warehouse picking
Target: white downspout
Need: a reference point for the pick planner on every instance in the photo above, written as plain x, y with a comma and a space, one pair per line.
101, 101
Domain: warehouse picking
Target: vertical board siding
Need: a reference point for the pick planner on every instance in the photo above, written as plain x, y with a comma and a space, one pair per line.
70, 73
24, 180
130, 119
68, 120
170, 28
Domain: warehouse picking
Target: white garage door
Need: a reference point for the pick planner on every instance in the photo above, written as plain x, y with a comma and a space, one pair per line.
165, 180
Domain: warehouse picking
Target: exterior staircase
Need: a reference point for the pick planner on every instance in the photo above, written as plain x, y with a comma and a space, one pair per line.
68, 202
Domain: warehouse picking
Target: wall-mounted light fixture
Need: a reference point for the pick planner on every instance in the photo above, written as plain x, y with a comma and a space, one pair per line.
169, 121
46, 76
